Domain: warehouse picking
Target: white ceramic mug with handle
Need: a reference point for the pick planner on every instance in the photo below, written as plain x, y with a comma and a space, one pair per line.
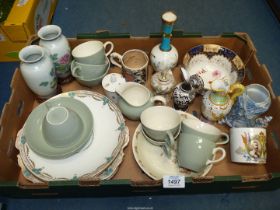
248, 145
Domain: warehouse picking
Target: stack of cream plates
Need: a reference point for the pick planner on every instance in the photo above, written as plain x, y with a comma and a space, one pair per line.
95, 153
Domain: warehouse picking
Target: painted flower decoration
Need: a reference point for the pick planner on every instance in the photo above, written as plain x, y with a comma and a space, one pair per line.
65, 59
216, 73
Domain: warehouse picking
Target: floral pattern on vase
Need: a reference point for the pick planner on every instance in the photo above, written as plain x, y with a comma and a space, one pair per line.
38, 71
55, 42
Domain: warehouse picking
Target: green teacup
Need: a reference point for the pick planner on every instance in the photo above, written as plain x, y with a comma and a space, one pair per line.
88, 71
91, 82
161, 124
195, 152
204, 130
92, 52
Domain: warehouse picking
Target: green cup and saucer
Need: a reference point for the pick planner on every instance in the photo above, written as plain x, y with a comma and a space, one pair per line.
59, 128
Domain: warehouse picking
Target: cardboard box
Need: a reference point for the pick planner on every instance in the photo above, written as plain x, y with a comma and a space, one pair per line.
9, 49
25, 19
129, 179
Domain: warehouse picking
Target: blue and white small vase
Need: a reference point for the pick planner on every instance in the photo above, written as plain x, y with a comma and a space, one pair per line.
183, 95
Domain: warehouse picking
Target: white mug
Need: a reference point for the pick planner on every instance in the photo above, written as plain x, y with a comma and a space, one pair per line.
248, 145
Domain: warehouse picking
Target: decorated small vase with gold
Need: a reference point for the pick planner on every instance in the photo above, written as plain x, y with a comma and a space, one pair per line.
217, 102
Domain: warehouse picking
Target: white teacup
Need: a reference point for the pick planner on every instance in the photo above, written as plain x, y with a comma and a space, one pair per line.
248, 145
92, 52
61, 126
205, 130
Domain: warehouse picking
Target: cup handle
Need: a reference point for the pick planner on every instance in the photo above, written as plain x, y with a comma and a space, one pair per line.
118, 56
160, 99
215, 150
75, 71
223, 135
111, 47
169, 146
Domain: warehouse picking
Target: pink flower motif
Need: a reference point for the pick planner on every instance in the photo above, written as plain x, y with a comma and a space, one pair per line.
216, 73
64, 59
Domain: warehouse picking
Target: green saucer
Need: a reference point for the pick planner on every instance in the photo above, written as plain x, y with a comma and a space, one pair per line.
34, 134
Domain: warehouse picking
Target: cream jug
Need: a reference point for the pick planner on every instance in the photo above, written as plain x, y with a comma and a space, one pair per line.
135, 98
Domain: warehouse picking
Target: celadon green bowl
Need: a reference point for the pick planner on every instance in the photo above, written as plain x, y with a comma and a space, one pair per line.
33, 128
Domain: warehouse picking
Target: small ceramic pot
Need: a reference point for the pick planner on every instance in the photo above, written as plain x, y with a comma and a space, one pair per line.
183, 95
38, 71
163, 84
186, 91
135, 98
217, 103
55, 42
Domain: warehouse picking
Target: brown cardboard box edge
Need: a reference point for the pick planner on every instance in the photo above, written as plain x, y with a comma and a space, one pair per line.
129, 169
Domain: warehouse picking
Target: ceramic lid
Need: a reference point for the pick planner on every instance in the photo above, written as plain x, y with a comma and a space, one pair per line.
111, 81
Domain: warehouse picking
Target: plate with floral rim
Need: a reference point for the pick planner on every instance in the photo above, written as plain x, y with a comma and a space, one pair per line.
108, 173
211, 62
110, 133
153, 161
